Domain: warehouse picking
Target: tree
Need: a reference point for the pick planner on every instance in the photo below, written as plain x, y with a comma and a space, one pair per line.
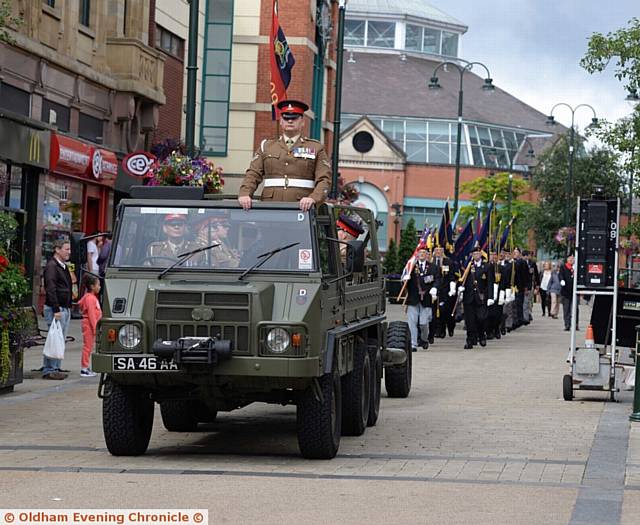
7, 19
408, 242
391, 262
483, 189
590, 168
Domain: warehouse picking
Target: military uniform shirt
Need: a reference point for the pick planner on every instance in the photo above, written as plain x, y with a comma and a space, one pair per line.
306, 159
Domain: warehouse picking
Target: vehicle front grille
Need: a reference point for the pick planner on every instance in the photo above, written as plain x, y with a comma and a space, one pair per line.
187, 314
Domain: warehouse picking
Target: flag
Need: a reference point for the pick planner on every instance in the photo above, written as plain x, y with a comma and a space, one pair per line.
422, 243
483, 233
445, 233
455, 220
505, 235
464, 242
282, 62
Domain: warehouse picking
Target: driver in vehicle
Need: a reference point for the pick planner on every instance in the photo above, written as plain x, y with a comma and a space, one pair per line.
174, 227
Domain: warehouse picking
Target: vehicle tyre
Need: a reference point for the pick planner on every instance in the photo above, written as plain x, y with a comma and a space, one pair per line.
375, 356
127, 419
397, 379
179, 415
319, 422
356, 393
567, 387
203, 413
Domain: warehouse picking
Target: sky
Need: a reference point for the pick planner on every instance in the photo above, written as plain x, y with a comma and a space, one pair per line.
533, 50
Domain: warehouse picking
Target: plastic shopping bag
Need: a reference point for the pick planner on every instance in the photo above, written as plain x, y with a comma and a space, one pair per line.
54, 345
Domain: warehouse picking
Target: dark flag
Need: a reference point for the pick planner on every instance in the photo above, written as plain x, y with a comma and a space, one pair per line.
463, 243
445, 233
483, 234
505, 235
282, 62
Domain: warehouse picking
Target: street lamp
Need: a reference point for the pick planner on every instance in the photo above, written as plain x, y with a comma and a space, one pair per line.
434, 84
514, 147
551, 121
397, 207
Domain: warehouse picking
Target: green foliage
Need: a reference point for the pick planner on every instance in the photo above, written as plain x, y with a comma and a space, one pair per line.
7, 19
599, 166
8, 229
483, 189
408, 242
622, 45
391, 261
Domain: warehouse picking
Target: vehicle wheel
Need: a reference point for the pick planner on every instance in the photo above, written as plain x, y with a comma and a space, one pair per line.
567, 388
127, 419
397, 379
319, 422
203, 413
179, 415
356, 393
375, 356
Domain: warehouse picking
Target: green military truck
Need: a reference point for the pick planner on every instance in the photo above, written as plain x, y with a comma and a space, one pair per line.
208, 308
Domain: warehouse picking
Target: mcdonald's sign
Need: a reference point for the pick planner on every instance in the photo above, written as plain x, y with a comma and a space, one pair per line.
23, 144
34, 147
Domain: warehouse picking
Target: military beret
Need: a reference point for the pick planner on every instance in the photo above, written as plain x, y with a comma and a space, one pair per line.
349, 225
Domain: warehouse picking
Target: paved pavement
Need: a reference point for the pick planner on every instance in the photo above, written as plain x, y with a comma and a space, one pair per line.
484, 437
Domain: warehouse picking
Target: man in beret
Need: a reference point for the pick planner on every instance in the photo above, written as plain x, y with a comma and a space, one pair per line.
422, 292
349, 229
216, 229
174, 226
293, 168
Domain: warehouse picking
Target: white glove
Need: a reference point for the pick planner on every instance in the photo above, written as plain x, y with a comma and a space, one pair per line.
433, 292
452, 289
509, 295
495, 289
501, 298
490, 302
406, 278
562, 283
460, 289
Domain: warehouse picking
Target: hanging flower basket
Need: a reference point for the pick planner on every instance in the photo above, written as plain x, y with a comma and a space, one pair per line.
566, 236
178, 169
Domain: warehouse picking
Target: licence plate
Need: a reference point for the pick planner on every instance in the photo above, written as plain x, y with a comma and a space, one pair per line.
143, 363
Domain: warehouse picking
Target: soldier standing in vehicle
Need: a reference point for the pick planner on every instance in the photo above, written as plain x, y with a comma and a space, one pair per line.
293, 168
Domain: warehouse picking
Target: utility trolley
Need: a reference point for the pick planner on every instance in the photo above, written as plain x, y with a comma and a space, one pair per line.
595, 366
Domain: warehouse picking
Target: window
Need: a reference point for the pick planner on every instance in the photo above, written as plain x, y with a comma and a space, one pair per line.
169, 43
431, 41
354, 32
381, 34
90, 128
413, 38
449, 44
85, 12
15, 99
55, 114
216, 79
50, 3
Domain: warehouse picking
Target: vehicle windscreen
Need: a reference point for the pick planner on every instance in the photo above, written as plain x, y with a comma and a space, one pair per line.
156, 237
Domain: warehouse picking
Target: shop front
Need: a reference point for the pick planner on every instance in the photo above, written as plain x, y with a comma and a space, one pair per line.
77, 193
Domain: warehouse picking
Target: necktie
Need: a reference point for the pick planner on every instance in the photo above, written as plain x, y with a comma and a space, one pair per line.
289, 143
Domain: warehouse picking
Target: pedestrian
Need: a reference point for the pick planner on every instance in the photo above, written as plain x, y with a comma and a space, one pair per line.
532, 286
545, 293
521, 282
554, 290
57, 305
421, 293
91, 314
474, 298
93, 253
293, 168
103, 256
566, 275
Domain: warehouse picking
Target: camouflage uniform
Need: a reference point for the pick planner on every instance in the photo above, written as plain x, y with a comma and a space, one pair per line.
306, 160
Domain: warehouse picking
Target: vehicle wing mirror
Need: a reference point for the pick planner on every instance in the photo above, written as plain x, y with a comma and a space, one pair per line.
355, 256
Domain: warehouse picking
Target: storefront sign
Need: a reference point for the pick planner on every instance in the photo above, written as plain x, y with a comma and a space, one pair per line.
75, 158
138, 163
22, 144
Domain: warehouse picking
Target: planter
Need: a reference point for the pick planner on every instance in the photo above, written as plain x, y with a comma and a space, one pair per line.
16, 359
393, 287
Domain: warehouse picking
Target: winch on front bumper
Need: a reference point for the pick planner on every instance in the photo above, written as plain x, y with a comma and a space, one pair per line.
193, 350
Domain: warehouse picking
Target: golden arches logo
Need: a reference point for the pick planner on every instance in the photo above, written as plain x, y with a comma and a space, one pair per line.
34, 148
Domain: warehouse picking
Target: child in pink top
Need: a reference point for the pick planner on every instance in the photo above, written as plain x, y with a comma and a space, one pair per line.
91, 314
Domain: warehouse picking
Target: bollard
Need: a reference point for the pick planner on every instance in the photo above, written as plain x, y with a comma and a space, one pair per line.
635, 416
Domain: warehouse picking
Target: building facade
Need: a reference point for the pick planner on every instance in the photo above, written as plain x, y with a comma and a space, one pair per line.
80, 87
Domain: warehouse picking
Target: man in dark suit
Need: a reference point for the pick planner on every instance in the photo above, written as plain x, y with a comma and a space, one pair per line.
521, 283
421, 292
445, 282
566, 274
474, 299
57, 305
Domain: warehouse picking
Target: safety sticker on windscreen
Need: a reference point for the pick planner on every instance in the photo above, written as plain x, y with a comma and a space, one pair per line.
305, 259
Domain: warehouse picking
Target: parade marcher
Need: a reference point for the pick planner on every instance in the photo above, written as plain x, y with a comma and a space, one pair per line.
533, 282
566, 274
293, 168
474, 299
521, 281
494, 306
445, 280
421, 292
506, 291
174, 226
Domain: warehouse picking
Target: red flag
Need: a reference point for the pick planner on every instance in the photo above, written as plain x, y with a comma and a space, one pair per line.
282, 62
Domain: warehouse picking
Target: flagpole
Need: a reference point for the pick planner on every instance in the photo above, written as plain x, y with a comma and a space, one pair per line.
192, 71
335, 150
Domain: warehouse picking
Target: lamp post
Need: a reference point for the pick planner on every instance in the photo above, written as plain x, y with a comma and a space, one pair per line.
192, 71
397, 207
487, 86
551, 121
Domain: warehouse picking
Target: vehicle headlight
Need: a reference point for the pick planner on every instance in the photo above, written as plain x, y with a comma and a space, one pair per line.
129, 336
278, 340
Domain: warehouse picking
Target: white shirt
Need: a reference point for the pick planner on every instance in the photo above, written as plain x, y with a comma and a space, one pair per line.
290, 140
92, 256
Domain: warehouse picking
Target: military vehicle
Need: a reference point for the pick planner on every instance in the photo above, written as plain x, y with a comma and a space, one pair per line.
208, 308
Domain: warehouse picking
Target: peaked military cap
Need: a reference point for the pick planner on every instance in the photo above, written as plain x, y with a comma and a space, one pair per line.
292, 108
350, 225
